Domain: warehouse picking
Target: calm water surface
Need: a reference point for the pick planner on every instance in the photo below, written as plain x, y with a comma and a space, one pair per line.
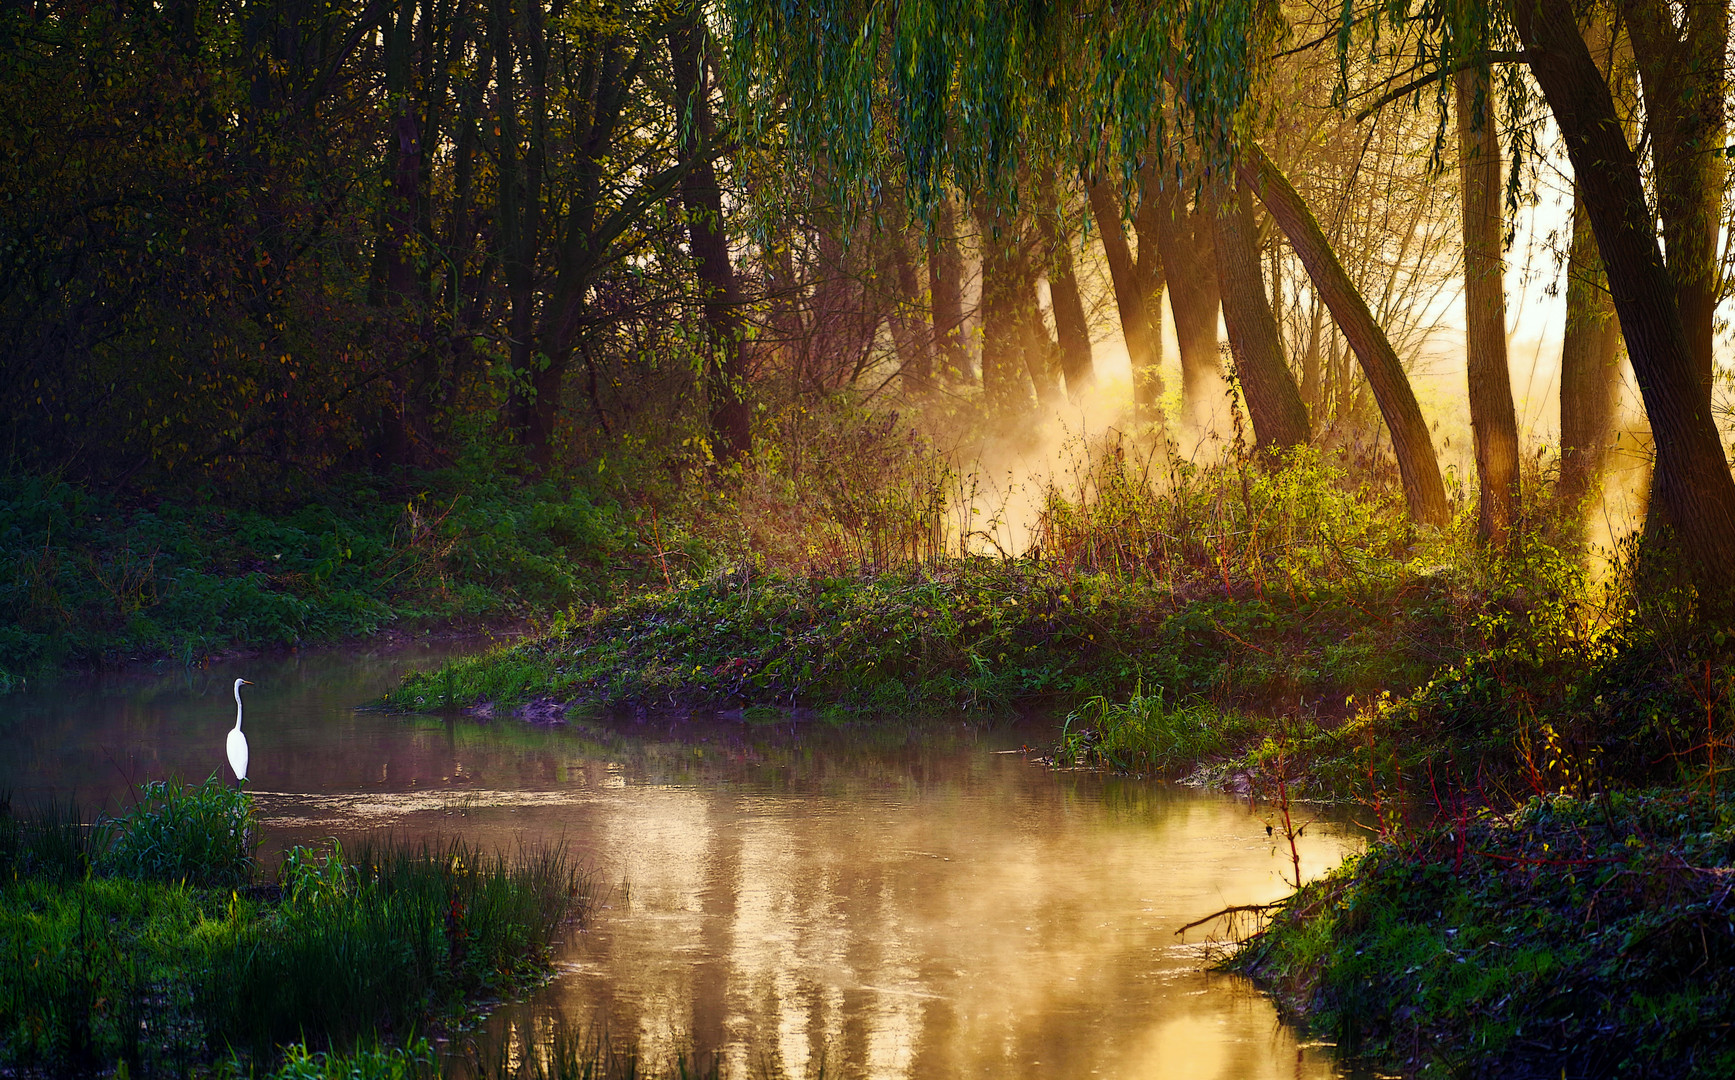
883, 902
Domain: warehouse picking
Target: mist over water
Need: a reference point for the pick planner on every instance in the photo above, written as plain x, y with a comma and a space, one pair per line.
886, 900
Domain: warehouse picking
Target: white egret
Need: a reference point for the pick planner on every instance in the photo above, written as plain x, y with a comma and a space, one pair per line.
238, 741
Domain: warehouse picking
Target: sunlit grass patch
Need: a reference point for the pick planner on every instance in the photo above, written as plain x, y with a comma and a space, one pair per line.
969, 634
1147, 734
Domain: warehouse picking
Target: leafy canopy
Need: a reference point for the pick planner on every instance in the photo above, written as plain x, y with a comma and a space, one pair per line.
959, 89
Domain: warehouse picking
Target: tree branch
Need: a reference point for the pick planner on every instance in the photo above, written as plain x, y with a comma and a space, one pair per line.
1495, 56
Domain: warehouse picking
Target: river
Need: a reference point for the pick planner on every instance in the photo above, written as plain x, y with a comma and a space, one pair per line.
887, 901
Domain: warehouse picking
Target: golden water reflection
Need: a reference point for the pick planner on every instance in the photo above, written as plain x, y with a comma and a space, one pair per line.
876, 901
1003, 920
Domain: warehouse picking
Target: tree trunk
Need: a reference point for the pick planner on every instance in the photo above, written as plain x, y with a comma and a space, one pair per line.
1492, 419
1005, 378
1692, 488
1070, 326
1273, 403
1412, 444
946, 285
1039, 348
1184, 240
702, 199
909, 337
1140, 330
1312, 366
1682, 69
1589, 365
519, 194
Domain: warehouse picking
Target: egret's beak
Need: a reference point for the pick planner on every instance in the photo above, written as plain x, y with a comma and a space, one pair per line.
246, 682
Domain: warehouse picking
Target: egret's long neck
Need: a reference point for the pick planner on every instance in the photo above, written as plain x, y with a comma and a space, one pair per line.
237, 708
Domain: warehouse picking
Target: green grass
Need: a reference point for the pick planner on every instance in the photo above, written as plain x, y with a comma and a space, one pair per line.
93, 578
1578, 937
967, 634
1146, 734
414, 1062
118, 960
203, 835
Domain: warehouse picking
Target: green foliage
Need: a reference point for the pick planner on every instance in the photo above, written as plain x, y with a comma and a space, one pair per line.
53, 842
203, 835
970, 634
402, 933
1590, 936
165, 975
1144, 734
1301, 526
414, 1062
1237, 583
972, 90
312, 878
93, 578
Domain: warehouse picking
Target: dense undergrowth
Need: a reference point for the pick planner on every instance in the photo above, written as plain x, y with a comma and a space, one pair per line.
974, 634
1549, 894
1576, 937
126, 949
88, 577
1237, 583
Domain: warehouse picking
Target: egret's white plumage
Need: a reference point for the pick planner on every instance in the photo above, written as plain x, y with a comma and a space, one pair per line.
238, 741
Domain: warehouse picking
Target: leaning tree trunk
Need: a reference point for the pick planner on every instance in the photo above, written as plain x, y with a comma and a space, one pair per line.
702, 198
1589, 365
1590, 349
1418, 466
1493, 423
1273, 402
1692, 487
1680, 54
1140, 326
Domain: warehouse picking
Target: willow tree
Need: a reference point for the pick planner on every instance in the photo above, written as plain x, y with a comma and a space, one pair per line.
971, 87
1678, 51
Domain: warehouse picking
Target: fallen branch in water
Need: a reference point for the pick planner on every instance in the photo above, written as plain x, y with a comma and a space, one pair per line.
1256, 909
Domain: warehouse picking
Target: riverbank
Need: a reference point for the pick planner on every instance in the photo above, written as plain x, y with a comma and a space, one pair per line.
1574, 937
97, 580
971, 634
156, 948
1548, 892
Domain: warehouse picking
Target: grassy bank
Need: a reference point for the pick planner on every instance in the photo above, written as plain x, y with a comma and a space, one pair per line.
145, 941
93, 578
977, 633
1573, 937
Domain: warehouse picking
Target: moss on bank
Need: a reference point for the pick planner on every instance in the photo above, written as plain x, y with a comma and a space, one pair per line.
966, 634
1574, 937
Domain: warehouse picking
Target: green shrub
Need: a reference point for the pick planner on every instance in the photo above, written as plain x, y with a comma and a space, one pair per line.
1584, 937
203, 835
